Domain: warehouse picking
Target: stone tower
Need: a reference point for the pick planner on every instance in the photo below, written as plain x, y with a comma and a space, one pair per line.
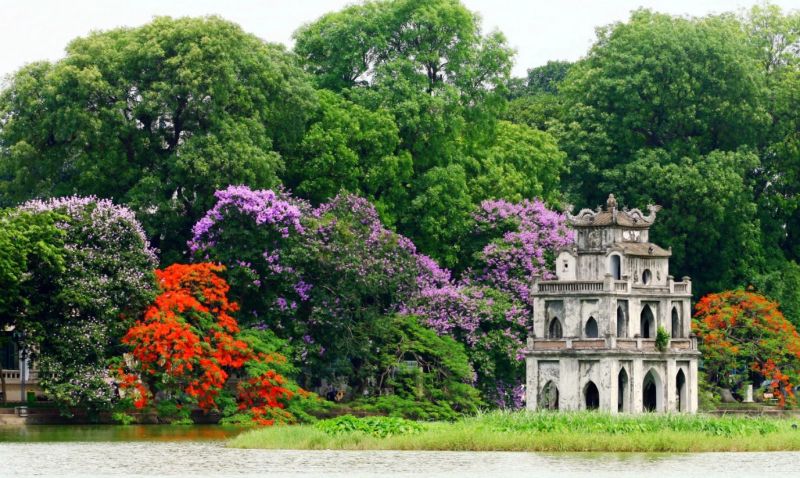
593, 344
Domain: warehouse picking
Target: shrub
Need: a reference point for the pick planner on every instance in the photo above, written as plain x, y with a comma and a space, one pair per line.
380, 427
662, 338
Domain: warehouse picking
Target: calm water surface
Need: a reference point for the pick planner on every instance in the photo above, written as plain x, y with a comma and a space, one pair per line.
200, 451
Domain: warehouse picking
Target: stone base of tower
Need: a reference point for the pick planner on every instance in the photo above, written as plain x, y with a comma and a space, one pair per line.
595, 377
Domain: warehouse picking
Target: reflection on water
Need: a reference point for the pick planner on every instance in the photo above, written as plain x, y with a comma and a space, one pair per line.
105, 433
153, 451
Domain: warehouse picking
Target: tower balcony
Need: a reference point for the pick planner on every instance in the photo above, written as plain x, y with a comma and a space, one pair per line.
609, 286
608, 344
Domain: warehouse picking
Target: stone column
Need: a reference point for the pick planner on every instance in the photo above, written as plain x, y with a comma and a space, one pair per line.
693, 390
531, 381
637, 375
669, 386
569, 379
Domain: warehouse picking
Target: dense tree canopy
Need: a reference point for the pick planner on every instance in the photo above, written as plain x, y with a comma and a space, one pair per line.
82, 310
385, 180
157, 117
745, 338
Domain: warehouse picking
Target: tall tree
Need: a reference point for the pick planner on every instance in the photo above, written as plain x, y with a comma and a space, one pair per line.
158, 117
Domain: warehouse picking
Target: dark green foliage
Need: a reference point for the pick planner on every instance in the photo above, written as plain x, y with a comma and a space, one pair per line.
31, 256
427, 377
158, 117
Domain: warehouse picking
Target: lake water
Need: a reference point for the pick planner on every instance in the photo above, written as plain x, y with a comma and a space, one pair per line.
200, 452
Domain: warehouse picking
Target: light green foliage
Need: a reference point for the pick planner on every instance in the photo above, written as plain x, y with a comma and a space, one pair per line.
522, 163
380, 427
662, 338
554, 432
546, 422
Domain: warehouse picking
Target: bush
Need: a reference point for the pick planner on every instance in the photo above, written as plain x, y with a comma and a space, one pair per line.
380, 427
662, 338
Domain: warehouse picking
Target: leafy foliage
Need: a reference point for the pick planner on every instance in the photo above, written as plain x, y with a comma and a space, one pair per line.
82, 309
187, 346
380, 427
157, 117
746, 338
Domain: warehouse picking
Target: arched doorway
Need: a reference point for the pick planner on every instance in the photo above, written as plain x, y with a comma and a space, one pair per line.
623, 395
651, 392
676, 324
548, 400
648, 323
591, 328
680, 392
554, 330
591, 396
615, 267
622, 322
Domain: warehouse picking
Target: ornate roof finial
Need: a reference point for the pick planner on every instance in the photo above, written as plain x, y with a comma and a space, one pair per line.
611, 204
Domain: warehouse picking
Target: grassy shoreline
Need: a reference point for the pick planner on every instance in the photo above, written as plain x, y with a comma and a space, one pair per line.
550, 432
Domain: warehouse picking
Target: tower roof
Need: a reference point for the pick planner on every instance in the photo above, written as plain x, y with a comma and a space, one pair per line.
612, 216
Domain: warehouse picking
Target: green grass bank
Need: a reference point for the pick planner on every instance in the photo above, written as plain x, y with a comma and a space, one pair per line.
524, 431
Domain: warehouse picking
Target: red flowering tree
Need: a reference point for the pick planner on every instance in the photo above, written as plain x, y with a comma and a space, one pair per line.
745, 337
188, 346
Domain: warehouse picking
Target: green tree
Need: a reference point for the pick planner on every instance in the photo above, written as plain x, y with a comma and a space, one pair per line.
686, 86
710, 219
157, 117
73, 325
31, 254
429, 375
522, 163
727, 324
541, 80
429, 66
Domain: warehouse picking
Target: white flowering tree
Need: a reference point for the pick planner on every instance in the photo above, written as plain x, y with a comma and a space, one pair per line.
73, 330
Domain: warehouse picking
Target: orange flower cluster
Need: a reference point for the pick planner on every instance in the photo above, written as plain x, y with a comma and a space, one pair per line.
188, 337
742, 331
130, 384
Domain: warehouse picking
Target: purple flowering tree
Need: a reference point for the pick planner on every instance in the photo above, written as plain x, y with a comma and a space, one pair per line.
489, 308
327, 278
106, 283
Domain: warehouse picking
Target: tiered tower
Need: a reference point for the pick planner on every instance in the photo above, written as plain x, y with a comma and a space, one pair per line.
593, 344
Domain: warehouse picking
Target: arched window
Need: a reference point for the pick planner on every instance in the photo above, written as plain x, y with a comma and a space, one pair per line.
676, 324
623, 395
622, 323
615, 267
648, 323
591, 396
651, 392
554, 330
548, 400
591, 328
680, 392
647, 276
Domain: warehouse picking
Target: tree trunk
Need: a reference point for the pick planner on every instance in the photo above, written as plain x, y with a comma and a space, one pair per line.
3, 391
